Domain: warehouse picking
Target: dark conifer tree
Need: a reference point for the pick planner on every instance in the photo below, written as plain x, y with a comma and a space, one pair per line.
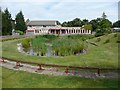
20, 22
6, 23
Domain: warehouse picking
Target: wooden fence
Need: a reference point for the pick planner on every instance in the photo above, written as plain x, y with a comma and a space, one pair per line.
61, 66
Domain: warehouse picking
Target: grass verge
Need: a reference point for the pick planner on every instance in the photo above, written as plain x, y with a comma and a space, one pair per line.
20, 79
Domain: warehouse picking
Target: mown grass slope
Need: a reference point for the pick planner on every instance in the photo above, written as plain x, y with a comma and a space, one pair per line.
103, 55
20, 79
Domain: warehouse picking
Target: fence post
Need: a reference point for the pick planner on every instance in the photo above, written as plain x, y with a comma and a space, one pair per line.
2, 60
39, 67
73, 72
17, 63
66, 71
98, 72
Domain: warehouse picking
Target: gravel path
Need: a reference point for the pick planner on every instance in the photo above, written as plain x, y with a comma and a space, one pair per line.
55, 71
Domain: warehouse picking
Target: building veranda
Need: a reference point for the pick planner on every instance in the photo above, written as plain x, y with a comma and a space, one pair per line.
52, 27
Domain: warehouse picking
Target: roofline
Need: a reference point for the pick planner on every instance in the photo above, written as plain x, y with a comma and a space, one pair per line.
42, 20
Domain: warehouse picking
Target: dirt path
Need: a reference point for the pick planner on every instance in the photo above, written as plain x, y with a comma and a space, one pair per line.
55, 71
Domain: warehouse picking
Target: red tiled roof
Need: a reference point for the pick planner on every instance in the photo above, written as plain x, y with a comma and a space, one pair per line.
29, 30
56, 29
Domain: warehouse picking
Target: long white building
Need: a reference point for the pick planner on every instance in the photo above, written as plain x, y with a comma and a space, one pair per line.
52, 27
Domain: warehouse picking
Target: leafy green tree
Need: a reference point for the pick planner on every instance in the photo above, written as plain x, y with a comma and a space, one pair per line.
76, 22
84, 22
58, 23
0, 21
104, 16
94, 24
116, 24
70, 24
20, 22
105, 23
104, 26
6, 23
64, 24
88, 26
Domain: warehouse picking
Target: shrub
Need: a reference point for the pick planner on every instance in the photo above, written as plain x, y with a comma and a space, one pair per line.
20, 32
26, 43
107, 41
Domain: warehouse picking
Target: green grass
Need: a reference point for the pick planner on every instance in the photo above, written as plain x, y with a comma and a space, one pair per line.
0, 77
103, 55
20, 79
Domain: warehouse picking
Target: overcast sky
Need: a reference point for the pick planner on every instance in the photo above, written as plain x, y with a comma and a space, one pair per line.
62, 10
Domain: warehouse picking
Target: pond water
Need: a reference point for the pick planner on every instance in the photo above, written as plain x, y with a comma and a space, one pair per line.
49, 52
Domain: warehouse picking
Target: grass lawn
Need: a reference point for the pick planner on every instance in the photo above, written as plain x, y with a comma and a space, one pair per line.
20, 79
103, 55
0, 77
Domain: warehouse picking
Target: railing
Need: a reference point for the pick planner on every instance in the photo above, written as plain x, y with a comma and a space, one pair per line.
61, 66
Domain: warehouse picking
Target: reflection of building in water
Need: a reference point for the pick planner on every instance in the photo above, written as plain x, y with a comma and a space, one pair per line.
52, 27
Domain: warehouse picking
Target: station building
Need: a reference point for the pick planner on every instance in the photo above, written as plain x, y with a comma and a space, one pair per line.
42, 27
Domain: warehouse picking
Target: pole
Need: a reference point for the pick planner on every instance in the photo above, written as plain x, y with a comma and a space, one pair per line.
66, 71
98, 72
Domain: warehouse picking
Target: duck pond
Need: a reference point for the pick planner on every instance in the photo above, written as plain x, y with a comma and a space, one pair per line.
51, 45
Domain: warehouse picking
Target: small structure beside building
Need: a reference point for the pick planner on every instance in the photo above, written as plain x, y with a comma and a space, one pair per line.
116, 29
14, 33
52, 27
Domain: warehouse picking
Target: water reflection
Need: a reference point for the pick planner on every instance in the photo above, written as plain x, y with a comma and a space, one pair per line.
49, 52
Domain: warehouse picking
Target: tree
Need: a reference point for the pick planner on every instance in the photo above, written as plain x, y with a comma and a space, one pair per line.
69, 24
0, 21
6, 23
84, 22
94, 24
116, 24
58, 23
64, 24
20, 22
104, 26
88, 26
76, 22
104, 16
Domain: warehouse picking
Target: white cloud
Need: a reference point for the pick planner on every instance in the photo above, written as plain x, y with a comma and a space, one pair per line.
63, 10
60, 0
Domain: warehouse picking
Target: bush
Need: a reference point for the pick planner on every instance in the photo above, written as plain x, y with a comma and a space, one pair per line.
20, 32
107, 41
26, 44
